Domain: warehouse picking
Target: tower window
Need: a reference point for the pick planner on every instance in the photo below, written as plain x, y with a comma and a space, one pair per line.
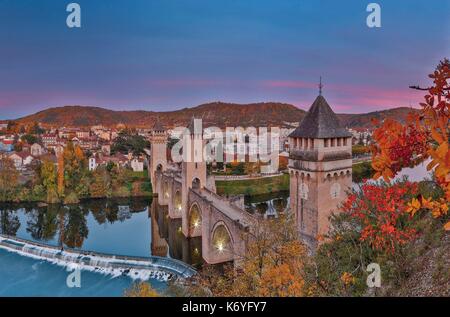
325, 142
338, 141
345, 141
332, 142
312, 144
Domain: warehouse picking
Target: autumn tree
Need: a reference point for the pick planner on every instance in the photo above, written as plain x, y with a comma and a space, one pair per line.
252, 168
424, 136
49, 181
141, 289
29, 138
128, 141
9, 178
75, 173
101, 185
273, 265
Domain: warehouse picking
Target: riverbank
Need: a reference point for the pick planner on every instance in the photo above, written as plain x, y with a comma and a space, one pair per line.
106, 186
251, 187
267, 185
362, 170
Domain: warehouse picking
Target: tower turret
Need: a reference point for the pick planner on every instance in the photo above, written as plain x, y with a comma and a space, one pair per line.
320, 167
158, 150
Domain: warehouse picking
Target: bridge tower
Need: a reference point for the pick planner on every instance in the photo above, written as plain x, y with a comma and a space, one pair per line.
158, 152
320, 167
193, 170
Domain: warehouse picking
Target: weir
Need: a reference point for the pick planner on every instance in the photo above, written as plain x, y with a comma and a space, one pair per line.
142, 268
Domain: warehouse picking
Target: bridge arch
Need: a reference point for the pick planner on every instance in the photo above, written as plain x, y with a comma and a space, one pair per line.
195, 220
177, 202
222, 239
166, 189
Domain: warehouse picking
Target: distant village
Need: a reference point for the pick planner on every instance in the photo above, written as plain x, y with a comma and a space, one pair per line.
33, 144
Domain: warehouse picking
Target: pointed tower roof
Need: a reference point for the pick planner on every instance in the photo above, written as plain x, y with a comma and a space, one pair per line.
158, 126
320, 122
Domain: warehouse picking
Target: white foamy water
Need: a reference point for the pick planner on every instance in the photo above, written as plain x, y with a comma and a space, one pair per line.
137, 269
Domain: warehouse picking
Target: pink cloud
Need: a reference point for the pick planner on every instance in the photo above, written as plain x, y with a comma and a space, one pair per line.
356, 98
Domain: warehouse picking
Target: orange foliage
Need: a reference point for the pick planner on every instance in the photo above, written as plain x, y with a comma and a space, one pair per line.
425, 135
60, 175
273, 265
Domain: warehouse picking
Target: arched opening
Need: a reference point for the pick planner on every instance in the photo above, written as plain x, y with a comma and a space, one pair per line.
195, 220
159, 168
221, 239
166, 191
196, 183
177, 202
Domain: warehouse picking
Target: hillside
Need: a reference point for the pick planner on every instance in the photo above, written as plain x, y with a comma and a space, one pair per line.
214, 114
217, 114
364, 120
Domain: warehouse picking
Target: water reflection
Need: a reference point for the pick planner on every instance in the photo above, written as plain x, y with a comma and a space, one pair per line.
168, 232
137, 227
98, 225
268, 205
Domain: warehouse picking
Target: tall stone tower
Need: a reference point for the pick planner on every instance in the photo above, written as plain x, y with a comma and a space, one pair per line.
158, 151
193, 170
320, 167
194, 164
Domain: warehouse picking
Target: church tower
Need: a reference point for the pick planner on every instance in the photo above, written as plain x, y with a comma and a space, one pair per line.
158, 151
320, 167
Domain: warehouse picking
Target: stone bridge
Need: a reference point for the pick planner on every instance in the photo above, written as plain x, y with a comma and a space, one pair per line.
190, 195
223, 224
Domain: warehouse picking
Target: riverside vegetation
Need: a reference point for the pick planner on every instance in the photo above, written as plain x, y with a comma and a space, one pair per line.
70, 180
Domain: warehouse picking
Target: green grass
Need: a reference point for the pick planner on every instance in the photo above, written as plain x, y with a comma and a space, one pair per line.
144, 187
253, 186
140, 175
362, 171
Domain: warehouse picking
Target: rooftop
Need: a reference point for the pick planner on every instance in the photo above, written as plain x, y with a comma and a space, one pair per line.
320, 122
158, 126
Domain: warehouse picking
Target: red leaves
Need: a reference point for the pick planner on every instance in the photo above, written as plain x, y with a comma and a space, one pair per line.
382, 211
425, 135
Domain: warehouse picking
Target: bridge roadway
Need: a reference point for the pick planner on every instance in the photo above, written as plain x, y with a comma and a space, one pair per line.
227, 208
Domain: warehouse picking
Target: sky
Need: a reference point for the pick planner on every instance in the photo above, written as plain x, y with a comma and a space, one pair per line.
164, 55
